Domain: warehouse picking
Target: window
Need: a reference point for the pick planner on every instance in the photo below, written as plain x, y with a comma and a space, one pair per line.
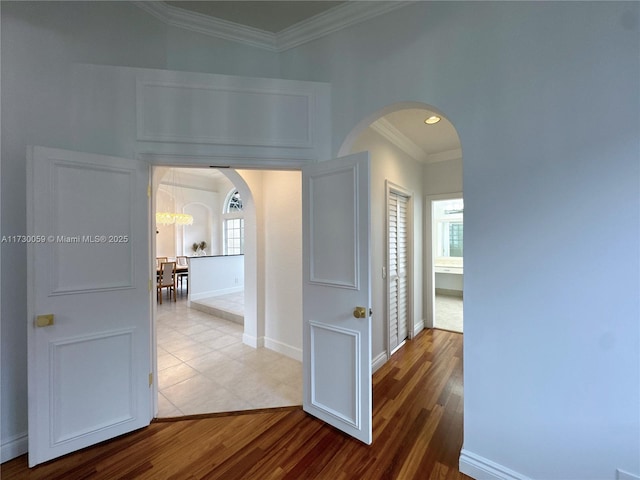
234, 202
234, 236
233, 224
455, 239
449, 228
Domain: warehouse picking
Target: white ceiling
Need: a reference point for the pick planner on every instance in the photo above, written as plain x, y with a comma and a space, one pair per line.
432, 139
425, 143
266, 15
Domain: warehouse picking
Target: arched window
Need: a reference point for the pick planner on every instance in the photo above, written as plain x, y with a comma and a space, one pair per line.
233, 224
233, 203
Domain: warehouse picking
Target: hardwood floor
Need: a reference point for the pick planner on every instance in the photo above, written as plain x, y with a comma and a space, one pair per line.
417, 434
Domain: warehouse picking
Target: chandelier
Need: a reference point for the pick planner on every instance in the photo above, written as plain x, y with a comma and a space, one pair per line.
171, 218
167, 218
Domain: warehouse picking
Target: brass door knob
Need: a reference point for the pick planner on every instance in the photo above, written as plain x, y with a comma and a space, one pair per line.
44, 320
360, 312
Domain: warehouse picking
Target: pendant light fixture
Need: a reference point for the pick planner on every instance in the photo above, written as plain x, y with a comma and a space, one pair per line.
170, 218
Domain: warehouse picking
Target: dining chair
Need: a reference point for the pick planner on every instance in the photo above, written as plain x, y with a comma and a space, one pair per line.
159, 260
167, 279
181, 262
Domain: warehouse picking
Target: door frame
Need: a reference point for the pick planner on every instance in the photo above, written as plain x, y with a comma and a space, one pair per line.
390, 188
429, 241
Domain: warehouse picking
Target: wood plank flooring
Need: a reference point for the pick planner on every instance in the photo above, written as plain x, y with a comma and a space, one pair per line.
417, 434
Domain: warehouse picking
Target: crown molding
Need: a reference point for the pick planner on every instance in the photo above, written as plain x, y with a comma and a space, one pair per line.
444, 156
332, 20
206, 25
325, 23
399, 139
404, 143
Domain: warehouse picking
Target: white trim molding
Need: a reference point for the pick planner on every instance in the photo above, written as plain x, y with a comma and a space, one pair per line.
418, 327
380, 360
14, 446
622, 475
482, 468
206, 25
285, 349
444, 156
332, 20
404, 143
399, 139
318, 26
250, 340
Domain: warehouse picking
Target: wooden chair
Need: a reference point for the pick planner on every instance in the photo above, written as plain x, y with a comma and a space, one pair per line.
159, 260
167, 279
181, 261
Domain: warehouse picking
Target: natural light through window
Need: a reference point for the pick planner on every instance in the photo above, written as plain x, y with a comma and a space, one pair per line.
233, 224
448, 222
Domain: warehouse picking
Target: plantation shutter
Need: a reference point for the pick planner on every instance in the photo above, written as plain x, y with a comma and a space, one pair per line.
397, 269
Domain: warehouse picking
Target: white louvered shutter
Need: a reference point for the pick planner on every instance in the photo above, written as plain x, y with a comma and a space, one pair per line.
397, 269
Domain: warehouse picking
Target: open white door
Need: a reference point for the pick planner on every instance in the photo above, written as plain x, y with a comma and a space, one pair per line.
336, 290
88, 266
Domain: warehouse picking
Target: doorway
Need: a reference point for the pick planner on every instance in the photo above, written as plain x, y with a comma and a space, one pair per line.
207, 361
399, 261
447, 234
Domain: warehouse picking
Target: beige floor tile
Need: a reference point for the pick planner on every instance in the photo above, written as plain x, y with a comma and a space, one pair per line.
232, 329
203, 366
217, 402
449, 313
208, 361
192, 351
167, 360
232, 371
176, 345
166, 408
195, 330
281, 369
173, 375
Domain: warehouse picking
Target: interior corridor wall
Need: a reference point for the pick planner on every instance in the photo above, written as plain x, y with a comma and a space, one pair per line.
282, 196
278, 269
551, 359
388, 162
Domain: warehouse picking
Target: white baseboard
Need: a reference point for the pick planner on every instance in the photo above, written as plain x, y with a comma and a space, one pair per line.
214, 293
418, 327
255, 342
283, 348
622, 475
380, 360
14, 447
482, 468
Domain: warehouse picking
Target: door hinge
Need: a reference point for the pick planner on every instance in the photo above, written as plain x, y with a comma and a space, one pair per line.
150, 379
149, 191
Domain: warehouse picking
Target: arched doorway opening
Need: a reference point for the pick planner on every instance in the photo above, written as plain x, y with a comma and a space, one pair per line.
413, 162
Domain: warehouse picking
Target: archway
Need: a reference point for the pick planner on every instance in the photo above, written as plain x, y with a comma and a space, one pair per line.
408, 155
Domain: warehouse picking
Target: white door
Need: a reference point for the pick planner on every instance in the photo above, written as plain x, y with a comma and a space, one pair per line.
88, 266
398, 266
336, 281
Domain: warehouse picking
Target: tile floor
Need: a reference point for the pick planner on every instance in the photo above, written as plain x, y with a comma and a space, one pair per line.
203, 366
229, 306
449, 313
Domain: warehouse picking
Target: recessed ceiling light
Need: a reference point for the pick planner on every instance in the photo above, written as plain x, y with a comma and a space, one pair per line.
432, 120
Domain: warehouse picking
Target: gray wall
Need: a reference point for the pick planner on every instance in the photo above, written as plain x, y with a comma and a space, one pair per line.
551, 364
40, 42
